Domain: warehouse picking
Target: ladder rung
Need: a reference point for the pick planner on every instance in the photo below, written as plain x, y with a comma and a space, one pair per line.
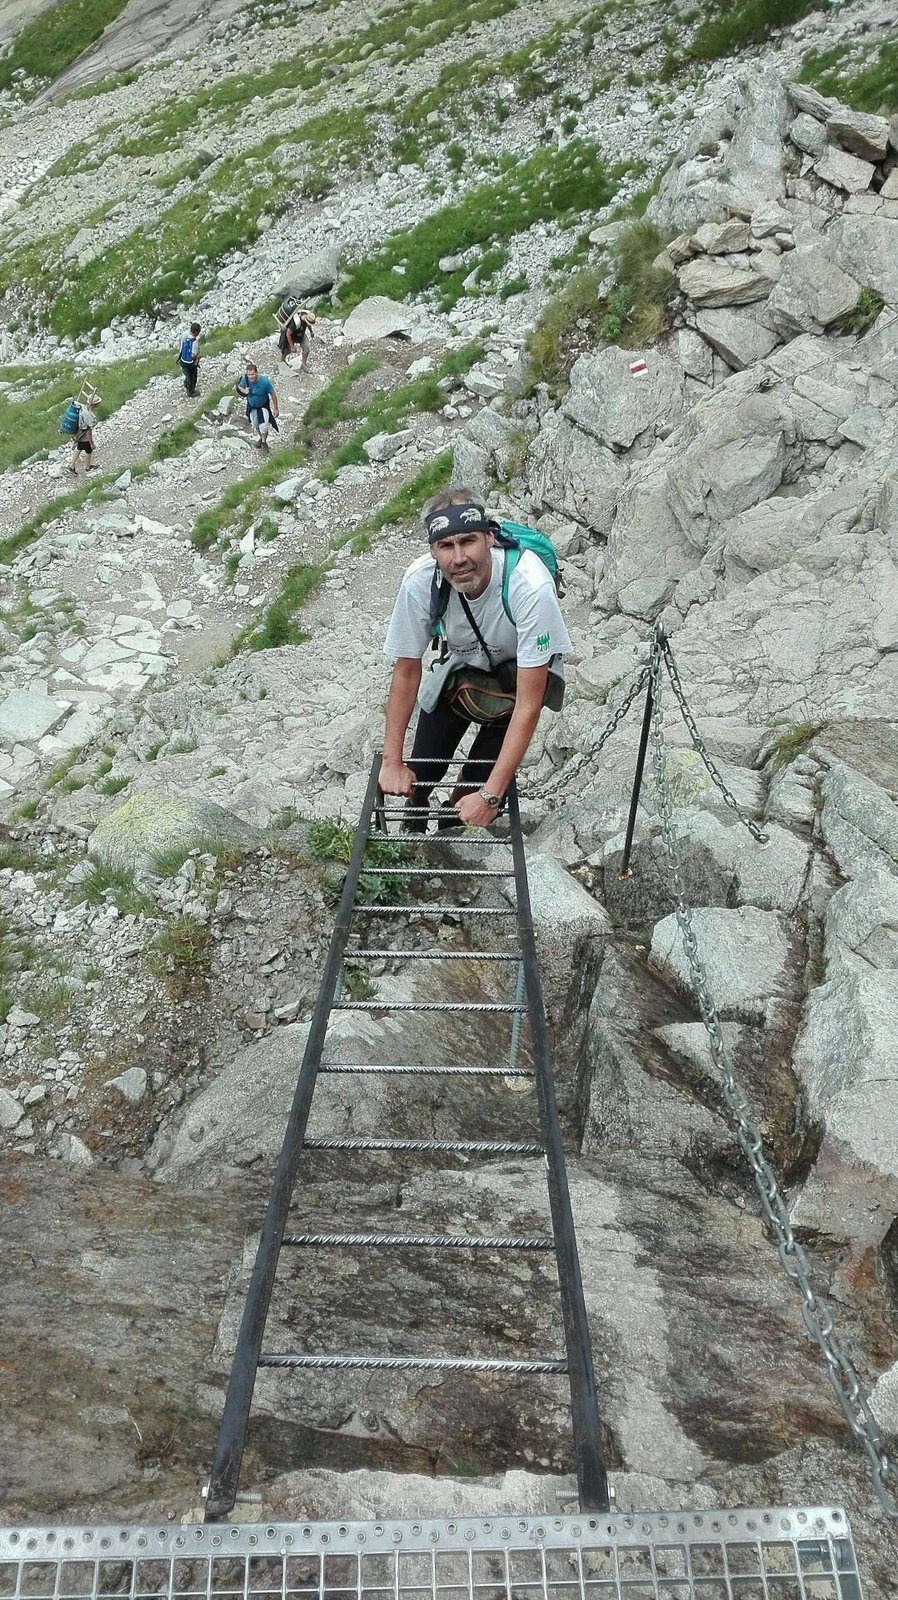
434, 1072
446, 836
411, 1363
492, 1147
432, 955
427, 1005
426, 1241
439, 872
436, 911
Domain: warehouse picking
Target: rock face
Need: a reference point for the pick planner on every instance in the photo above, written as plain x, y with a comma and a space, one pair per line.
137, 835
140, 1346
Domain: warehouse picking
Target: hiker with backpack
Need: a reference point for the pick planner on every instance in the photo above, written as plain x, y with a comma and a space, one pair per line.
78, 423
189, 357
261, 403
297, 331
485, 599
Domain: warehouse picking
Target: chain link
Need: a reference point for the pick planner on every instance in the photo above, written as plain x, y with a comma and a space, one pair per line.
573, 768
686, 713
815, 1315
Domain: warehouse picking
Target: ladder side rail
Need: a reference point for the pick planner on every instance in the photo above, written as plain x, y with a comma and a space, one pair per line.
592, 1478
223, 1481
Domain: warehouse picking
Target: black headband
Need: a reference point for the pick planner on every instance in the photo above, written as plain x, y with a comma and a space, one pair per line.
469, 517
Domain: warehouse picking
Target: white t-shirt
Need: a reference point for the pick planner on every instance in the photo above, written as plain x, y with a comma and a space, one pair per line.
537, 634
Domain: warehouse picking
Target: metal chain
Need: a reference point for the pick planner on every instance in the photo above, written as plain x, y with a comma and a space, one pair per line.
699, 743
815, 1315
573, 768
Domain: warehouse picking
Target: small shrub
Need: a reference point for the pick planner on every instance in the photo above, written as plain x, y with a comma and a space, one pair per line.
114, 886
793, 742
184, 947
357, 982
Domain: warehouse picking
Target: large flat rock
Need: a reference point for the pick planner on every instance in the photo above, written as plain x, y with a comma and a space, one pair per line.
26, 716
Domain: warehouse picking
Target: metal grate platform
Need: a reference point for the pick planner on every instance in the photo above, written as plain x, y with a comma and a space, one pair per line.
804, 1554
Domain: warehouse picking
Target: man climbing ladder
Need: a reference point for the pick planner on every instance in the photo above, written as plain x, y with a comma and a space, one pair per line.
486, 600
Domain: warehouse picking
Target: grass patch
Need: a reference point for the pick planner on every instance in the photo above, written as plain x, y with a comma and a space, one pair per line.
184, 947
550, 183
113, 80
405, 504
277, 626
792, 742
14, 542
635, 311
331, 840
45, 46
114, 886
868, 82
730, 27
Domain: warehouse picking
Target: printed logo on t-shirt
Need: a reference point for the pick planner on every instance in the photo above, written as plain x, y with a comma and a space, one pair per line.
543, 640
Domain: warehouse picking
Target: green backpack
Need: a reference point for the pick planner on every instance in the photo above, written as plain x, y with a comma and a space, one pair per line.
514, 539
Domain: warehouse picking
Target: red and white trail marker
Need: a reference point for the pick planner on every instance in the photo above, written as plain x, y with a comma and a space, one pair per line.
638, 369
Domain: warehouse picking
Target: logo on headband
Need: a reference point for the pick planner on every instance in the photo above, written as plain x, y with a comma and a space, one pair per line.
437, 524
471, 515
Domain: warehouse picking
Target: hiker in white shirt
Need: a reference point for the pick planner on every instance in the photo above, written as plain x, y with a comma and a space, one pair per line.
475, 631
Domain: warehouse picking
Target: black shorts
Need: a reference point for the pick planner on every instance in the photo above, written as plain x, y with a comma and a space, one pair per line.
437, 737
83, 444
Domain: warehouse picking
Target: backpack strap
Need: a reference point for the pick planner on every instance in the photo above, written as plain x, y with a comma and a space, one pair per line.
439, 600
512, 553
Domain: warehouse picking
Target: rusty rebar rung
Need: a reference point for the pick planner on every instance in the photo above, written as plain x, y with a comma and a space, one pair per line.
432, 955
424, 910
428, 1005
431, 1072
413, 1363
422, 1241
439, 872
495, 1147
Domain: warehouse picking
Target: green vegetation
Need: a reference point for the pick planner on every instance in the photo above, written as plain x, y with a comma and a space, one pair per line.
634, 312
113, 80
357, 982
550, 183
44, 47
184, 948
728, 26
792, 742
869, 305
277, 625
48, 513
868, 80
405, 504
114, 886
331, 840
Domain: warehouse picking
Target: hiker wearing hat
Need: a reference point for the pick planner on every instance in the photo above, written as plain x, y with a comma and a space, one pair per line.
485, 599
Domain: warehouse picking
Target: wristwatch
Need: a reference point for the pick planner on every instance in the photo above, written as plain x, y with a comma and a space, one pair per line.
494, 801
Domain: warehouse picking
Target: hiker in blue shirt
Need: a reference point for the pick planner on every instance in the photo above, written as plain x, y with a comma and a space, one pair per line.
189, 357
261, 403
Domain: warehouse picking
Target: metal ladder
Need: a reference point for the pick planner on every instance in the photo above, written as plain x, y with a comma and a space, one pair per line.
576, 1363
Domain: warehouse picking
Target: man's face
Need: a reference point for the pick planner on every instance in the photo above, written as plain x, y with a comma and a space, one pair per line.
252, 373
464, 558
